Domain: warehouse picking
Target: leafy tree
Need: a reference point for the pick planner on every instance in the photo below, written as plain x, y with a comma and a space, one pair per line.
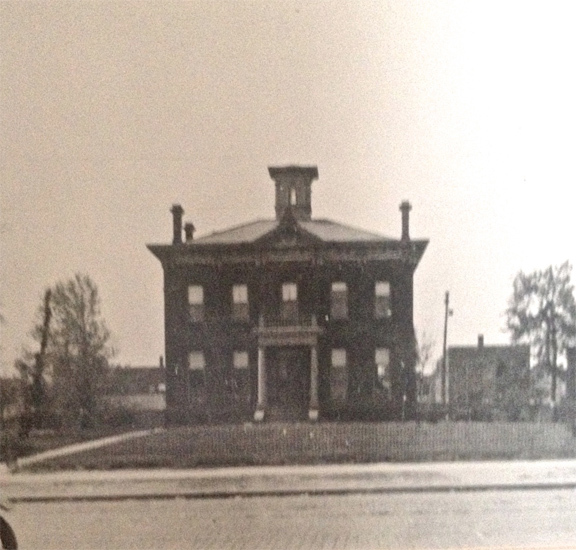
542, 312
74, 350
512, 391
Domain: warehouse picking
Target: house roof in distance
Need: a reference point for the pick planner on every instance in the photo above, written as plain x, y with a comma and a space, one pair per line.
482, 355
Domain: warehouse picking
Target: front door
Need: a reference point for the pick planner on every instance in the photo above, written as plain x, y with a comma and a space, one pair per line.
288, 376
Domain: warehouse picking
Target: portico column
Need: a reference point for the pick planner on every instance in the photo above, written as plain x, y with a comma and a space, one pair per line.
313, 410
259, 414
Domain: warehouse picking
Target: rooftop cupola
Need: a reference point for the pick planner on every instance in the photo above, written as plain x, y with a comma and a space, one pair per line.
294, 190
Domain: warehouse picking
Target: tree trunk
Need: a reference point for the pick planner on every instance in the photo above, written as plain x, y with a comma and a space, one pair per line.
554, 343
37, 389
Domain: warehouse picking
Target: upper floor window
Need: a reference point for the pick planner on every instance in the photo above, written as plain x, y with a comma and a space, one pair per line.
382, 306
289, 300
196, 302
196, 360
240, 301
289, 292
339, 301
339, 375
293, 196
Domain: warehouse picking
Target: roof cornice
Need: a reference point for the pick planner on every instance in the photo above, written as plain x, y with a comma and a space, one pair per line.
409, 253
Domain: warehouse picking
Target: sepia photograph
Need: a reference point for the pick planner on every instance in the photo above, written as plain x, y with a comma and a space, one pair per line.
287, 274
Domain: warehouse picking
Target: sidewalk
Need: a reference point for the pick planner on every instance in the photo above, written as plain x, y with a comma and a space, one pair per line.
288, 480
79, 447
276, 480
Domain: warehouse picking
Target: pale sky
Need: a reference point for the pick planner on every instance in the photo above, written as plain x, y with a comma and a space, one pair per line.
113, 111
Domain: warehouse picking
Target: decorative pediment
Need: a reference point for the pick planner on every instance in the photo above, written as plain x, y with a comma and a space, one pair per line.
288, 234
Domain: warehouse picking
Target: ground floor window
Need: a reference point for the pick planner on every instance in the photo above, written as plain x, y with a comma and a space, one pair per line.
196, 377
338, 376
382, 360
240, 377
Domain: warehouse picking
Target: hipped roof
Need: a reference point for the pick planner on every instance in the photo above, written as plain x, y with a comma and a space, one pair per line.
323, 229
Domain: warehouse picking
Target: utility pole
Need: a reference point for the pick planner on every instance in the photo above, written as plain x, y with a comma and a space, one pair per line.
447, 313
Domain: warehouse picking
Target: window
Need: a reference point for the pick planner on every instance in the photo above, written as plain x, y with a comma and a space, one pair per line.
289, 292
240, 301
339, 301
238, 379
292, 196
382, 360
196, 360
196, 378
382, 300
339, 376
196, 302
240, 294
240, 359
289, 301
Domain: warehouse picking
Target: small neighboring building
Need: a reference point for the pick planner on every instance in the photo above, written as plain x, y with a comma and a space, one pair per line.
144, 380
427, 387
489, 382
291, 318
140, 391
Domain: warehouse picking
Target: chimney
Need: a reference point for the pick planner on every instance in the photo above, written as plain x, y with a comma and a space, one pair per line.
480, 341
293, 190
189, 231
405, 208
177, 212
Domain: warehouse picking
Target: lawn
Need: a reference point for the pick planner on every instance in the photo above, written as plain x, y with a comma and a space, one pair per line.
275, 444
39, 441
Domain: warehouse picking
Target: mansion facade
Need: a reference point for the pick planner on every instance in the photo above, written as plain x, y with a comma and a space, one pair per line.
289, 319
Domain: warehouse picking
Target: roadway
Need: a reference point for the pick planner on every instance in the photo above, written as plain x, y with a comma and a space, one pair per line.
514, 504
509, 518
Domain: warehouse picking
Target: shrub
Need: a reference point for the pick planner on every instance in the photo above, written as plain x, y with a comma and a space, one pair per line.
117, 417
12, 447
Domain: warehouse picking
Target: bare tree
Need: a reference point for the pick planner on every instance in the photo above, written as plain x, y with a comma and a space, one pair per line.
424, 351
542, 312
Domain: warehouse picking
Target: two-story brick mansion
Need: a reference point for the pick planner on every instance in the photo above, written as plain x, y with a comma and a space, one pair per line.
289, 319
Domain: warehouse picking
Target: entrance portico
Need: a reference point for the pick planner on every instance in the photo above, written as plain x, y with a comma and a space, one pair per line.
288, 369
